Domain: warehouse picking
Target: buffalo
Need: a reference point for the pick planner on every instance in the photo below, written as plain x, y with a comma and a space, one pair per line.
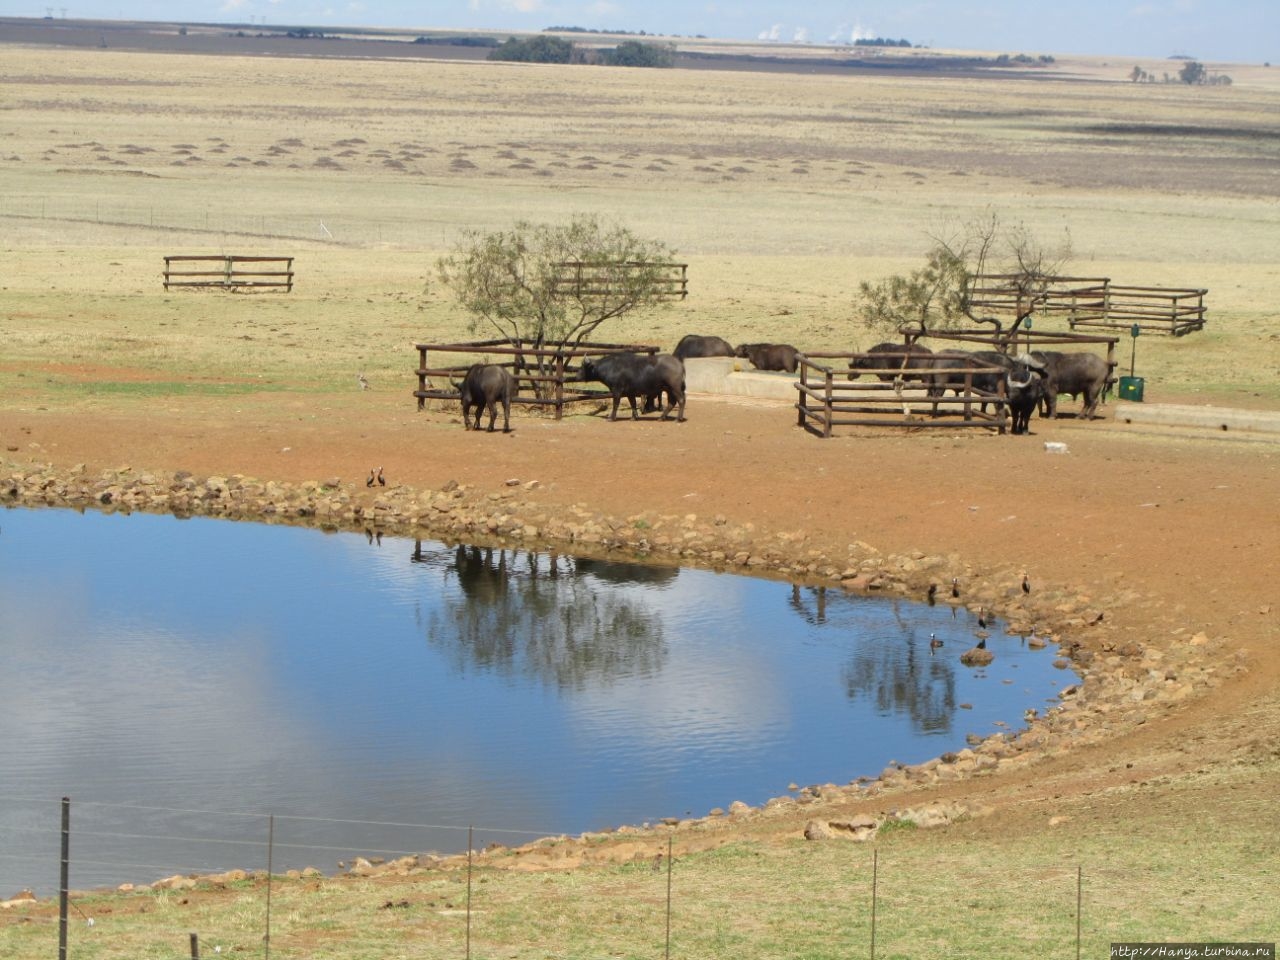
631, 375
696, 345
1025, 389
888, 355
484, 387
1074, 373
952, 367
769, 356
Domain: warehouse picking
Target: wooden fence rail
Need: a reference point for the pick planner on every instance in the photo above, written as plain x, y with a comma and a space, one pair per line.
1095, 302
546, 376
225, 272
827, 398
589, 280
1159, 309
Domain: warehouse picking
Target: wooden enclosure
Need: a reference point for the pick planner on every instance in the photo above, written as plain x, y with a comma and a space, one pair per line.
226, 272
588, 280
828, 397
1094, 302
546, 375
1152, 309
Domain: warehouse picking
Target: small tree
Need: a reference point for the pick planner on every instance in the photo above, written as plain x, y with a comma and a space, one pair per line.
939, 295
633, 53
1193, 72
521, 282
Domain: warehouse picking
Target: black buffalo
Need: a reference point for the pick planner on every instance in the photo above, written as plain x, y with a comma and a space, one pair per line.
1079, 374
769, 356
484, 387
695, 345
889, 355
952, 367
632, 375
1024, 386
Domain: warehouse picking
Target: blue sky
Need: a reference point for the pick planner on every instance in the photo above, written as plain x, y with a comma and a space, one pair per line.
1226, 30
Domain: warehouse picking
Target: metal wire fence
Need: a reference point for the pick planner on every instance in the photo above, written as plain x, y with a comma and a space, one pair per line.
875, 900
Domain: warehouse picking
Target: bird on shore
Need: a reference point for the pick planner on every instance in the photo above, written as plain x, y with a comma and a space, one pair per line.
369, 482
932, 596
382, 481
1026, 584
982, 617
955, 586
363, 381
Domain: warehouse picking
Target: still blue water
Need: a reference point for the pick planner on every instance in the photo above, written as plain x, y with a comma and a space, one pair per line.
182, 679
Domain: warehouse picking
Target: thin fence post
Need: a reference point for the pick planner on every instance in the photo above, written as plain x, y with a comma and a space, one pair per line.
875, 877
669, 847
64, 878
470, 848
195, 946
271, 836
1079, 903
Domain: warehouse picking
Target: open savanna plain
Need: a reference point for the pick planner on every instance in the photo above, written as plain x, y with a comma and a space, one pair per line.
782, 191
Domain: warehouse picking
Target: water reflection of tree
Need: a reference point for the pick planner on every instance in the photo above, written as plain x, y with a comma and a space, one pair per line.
898, 676
904, 678
544, 616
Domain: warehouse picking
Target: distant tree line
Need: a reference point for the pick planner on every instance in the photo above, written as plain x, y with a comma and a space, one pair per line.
1192, 73
880, 42
548, 49
460, 41
1004, 59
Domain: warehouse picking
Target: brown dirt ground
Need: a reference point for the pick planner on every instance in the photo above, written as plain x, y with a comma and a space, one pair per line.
1183, 522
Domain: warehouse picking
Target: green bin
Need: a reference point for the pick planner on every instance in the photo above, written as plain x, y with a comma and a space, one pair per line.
1131, 388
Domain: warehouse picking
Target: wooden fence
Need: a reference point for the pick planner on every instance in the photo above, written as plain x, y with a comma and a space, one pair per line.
546, 376
1094, 302
1151, 309
828, 398
224, 272
591, 280
895, 397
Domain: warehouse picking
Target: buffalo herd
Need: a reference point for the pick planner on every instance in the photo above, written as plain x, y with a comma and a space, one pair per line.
1030, 381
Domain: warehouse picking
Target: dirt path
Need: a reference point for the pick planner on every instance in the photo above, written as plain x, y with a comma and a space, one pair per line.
1171, 533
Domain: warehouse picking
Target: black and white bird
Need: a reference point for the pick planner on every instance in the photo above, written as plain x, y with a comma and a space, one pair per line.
369, 482
1026, 584
982, 617
934, 642
955, 586
382, 481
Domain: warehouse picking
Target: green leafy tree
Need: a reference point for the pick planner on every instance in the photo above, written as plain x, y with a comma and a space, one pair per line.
1193, 72
528, 285
633, 53
939, 295
539, 49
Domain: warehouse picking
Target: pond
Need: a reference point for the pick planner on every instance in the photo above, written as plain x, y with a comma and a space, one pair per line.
182, 680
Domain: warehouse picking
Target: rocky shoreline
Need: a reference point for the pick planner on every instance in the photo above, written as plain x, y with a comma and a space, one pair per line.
1124, 680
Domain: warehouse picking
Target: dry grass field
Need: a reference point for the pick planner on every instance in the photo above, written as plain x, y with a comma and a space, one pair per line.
782, 191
